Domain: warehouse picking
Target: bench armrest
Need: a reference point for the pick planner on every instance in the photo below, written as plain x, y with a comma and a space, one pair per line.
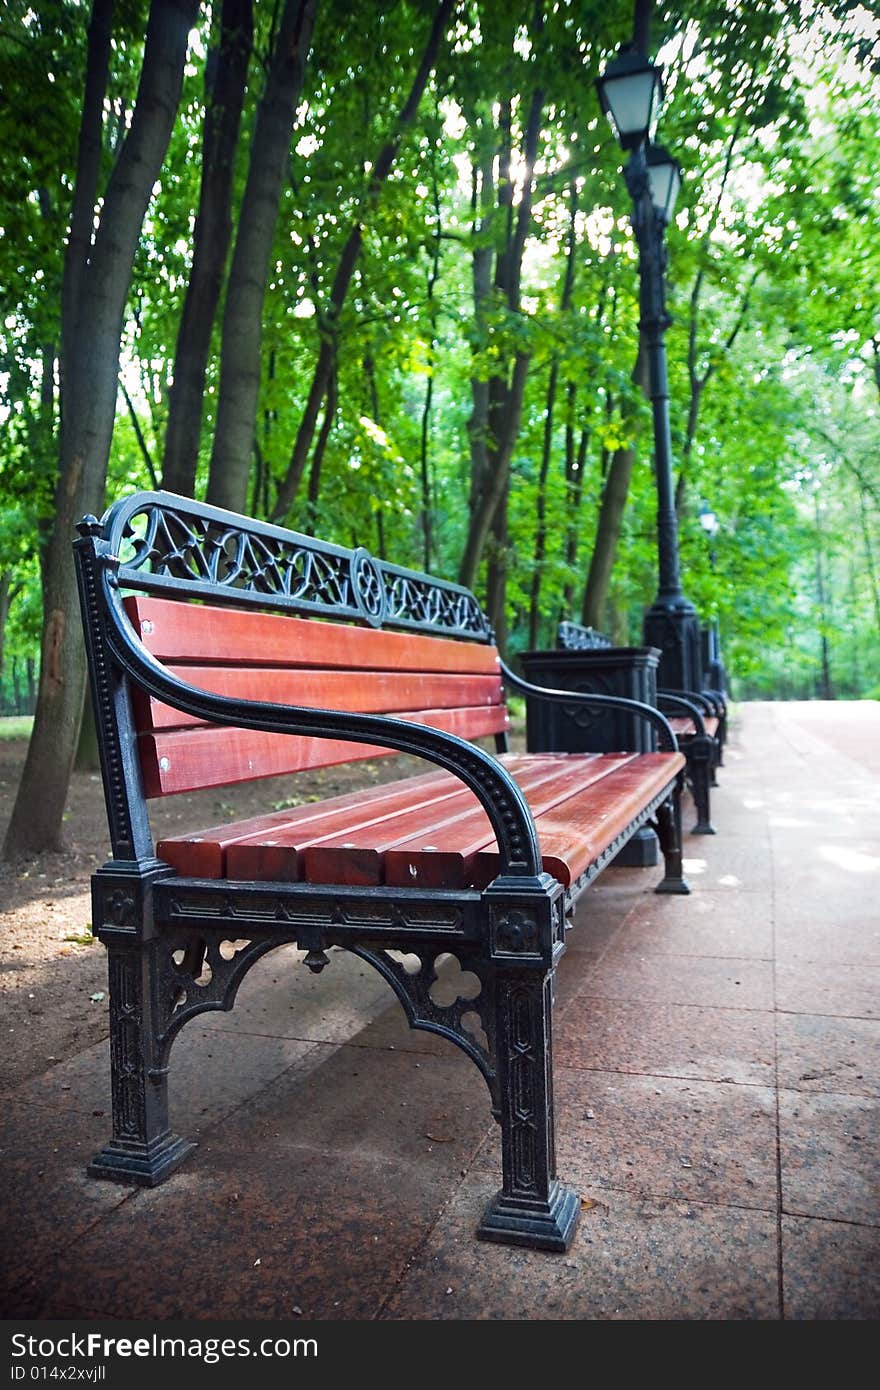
707, 700
498, 793
587, 699
684, 705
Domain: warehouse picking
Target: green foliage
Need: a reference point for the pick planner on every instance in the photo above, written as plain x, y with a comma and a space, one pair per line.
774, 264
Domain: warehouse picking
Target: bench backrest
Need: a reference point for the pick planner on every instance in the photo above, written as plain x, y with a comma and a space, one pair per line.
450, 685
576, 637
252, 611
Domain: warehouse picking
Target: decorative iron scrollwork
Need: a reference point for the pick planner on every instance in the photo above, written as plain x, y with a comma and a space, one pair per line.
573, 637
197, 975
515, 932
415, 980
167, 542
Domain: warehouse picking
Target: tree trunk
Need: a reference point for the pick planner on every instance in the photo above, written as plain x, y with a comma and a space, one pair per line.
345, 270
242, 316
547, 446
496, 575
541, 507
424, 457
225, 78
614, 495
505, 392
575, 463
9, 592
95, 295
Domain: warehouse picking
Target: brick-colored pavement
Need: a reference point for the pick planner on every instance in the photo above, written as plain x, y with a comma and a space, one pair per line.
717, 1073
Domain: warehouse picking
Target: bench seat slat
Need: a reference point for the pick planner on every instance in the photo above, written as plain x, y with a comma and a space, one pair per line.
574, 833
214, 755
450, 865
366, 692
364, 832
178, 632
581, 802
683, 726
455, 828
203, 854
267, 846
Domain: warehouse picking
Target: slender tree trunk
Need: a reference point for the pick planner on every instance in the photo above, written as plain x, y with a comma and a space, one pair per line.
826, 689
611, 511
869, 559
547, 444
320, 449
482, 207
424, 459
95, 294
9, 592
541, 507
345, 269
242, 316
505, 392
139, 435
225, 78
496, 575
17, 702
575, 464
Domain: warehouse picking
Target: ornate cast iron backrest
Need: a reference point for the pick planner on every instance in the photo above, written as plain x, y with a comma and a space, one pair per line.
573, 637
172, 544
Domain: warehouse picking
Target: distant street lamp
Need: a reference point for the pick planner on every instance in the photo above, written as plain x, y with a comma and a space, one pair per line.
630, 93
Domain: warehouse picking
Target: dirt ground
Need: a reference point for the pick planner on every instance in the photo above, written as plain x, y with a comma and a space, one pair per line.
53, 974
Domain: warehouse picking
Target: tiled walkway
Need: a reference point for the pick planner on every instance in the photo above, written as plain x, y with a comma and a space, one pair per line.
718, 1072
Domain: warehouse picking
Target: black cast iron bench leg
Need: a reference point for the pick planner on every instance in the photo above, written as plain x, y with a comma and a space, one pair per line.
669, 835
532, 1208
701, 756
142, 1149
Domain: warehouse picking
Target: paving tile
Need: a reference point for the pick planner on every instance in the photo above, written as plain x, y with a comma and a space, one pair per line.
829, 1156
631, 1258
211, 1073
283, 998
849, 991
47, 1198
830, 1270
722, 982
657, 1136
705, 924
815, 1053
666, 1039
255, 1234
840, 939
426, 1110
718, 866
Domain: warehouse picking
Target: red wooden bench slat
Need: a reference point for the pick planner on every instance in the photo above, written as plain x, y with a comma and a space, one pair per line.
202, 854
351, 855
449, 865
575, 832
364, 829
374, 692
178, 632
212, 852
683, 726
216, 755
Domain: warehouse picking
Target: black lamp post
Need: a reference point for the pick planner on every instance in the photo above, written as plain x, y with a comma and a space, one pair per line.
630, 92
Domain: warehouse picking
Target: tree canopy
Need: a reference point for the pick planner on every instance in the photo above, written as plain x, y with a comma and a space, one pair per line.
368, 269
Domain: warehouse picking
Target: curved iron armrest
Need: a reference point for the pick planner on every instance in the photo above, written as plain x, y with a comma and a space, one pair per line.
686, 706
667, 739
498, 793
701, 698
720, 700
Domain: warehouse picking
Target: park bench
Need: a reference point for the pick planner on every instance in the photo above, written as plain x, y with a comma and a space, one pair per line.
698, 719
223, 649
